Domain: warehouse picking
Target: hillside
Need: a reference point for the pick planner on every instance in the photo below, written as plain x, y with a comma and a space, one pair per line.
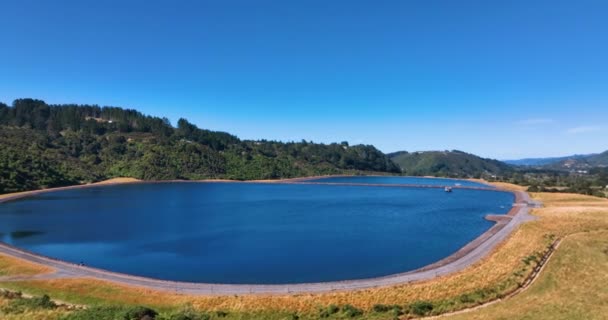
581, 162
53, 145
600, 160
448, 164
573, 162
534, 162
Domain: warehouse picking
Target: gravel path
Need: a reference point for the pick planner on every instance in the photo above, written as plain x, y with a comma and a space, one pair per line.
460, 260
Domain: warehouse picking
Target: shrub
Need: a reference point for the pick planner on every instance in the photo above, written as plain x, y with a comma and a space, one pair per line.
187, 312
485, 293
140, 313
421, 308
331, 309
530, 258
10, 294
351, 311
20, 305
381, 308
466, 298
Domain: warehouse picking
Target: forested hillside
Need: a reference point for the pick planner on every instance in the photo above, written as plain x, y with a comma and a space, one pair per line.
582, 163
448, 164
573, 162
45, 145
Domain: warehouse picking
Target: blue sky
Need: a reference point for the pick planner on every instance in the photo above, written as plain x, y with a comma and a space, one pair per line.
502, 79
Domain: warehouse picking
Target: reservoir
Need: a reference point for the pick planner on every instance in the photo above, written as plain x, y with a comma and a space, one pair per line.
253, 233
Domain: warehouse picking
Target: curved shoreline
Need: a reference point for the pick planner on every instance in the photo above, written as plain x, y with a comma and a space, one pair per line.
301, 180
471, 253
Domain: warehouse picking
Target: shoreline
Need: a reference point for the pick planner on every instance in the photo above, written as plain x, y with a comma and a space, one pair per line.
466, 256
299, 180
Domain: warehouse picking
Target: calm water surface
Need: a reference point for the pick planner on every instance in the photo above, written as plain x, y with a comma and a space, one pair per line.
403, 180
250, 233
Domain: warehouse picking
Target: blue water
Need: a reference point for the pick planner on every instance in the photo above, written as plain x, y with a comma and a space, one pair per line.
444, 182
250, 233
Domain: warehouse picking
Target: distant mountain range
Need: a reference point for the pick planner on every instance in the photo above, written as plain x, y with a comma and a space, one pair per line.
544, 161
578, 161
448, 163
456, 163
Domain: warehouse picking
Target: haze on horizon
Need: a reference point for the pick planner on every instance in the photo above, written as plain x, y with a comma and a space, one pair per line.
502, 80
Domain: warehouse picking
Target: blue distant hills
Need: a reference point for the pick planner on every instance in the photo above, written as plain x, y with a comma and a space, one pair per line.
546, 161
462, 164
577, 161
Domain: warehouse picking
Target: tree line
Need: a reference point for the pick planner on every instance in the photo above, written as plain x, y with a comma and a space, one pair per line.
45, 145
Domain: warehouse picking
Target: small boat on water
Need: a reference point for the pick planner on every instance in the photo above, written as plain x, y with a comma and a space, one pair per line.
448, 189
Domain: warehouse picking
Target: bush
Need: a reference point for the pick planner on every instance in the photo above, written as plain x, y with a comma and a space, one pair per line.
140, 313
530, 258
421, 308
351, 311
20, 305
331, 309
466, 298
221, 314
10, 294
188, 313
381, 308
485, 293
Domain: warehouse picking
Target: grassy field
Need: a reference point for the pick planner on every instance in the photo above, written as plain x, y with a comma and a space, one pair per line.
572, 285
10, 266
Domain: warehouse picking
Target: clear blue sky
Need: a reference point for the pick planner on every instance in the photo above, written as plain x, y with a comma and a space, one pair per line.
503, 79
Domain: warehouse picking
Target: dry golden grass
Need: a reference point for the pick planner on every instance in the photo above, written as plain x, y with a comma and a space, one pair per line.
509, 186
118, 180
34, 315
490, 271
10, 266
574, 285
6, 195
562, 215
109, 181
569, 199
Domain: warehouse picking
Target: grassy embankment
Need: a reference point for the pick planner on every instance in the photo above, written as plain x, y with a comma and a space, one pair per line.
10, 266
573, 285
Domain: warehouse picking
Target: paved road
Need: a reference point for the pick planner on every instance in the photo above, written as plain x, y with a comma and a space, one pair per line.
462, 259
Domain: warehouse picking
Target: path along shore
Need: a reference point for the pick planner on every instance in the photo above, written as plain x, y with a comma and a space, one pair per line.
463, 258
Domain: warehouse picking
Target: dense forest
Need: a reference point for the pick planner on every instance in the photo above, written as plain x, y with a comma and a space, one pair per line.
455, 164
46, 145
